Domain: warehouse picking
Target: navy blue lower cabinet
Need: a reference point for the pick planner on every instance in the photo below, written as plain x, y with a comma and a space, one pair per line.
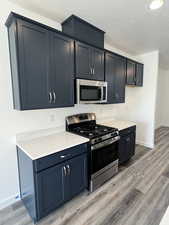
127, 145
43, 191
77, 169
50, 189
60, 183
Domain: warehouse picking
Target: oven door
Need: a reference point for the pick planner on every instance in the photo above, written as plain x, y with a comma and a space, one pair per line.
91, 91
103, 157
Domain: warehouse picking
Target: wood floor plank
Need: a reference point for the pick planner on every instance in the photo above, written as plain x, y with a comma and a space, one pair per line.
142, 214
114, 212
138, 195
114, 194
144, 165
161, 136
152, 174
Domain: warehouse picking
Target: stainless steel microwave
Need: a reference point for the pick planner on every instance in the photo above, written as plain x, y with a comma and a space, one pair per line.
91, 91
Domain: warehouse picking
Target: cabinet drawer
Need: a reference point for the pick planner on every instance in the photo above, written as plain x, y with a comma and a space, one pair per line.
127, 130
51, 160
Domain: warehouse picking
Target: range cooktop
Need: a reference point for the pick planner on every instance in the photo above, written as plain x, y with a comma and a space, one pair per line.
92, 130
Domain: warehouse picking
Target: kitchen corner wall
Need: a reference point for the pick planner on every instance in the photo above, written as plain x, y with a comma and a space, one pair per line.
139, 107
162, 107
141, 101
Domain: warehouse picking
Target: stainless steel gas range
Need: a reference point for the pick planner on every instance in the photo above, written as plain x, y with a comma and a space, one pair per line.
103, 152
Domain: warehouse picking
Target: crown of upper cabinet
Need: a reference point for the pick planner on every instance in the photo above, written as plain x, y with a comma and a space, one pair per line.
83, 30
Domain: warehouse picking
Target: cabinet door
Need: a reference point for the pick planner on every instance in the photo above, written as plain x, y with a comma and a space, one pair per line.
97, 64
50, 189
115, 75
83, 61
33, 59
139, 74
126, 147
131, 72
120, 80
62, 70
77, 170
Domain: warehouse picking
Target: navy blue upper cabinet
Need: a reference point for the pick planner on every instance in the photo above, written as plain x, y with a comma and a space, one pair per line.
89, 62
62, 70
139, 74
83, 31
98, 64
134, 73
131, 72
83, 60
32, 73
115, 75
41, 66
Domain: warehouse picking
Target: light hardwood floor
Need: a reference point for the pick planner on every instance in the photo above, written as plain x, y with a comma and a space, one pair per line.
138, 195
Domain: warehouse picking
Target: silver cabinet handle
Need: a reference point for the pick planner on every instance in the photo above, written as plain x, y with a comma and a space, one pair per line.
68, 167
65, 170
117, 95
128, 139
50, 97
93, 71
54, 95
64, 156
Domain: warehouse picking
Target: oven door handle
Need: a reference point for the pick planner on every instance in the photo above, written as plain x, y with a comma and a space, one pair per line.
105, 143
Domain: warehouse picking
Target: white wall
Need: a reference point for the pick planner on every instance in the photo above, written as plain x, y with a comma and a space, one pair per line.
141, 101
139, 107
162, 107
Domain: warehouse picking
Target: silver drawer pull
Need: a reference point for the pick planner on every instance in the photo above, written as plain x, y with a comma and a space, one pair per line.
64, 156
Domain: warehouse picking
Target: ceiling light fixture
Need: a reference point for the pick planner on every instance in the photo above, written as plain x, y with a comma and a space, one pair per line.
156, 4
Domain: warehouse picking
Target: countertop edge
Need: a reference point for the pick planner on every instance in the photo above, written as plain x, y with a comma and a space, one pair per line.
52, 152
119, 124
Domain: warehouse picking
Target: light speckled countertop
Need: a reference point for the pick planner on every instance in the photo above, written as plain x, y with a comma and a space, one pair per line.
119, 124
46, 145
38, 144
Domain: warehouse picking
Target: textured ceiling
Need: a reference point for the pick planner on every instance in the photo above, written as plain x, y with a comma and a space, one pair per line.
129, 24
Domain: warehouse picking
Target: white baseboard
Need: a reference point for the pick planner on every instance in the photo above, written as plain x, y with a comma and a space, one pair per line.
9, 201
146, 144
